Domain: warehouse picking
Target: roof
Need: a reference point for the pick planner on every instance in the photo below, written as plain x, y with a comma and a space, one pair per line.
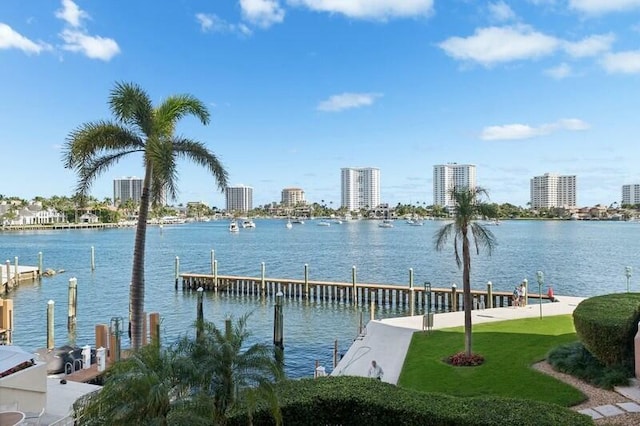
12, 356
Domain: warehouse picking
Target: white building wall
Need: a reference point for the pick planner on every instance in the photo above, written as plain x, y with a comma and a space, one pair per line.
631, 194
449, 176
551, 190
360, 187
239, 198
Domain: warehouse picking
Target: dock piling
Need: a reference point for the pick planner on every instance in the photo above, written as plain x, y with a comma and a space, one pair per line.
306, 280
177, 267
73, 304
278, 323
412, 303
262, 275
40, 264
200, 315
93, 258
50, 328
489, 295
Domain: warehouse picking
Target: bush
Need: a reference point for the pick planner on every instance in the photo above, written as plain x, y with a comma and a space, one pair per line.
576, 360
349, 400
606, 325
461, 359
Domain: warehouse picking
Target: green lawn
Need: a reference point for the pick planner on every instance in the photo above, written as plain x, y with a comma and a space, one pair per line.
509, 348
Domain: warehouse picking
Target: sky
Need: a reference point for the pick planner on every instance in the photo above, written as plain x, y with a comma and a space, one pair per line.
299, 89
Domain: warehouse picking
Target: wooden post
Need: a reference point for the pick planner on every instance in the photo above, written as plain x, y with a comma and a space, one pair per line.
454, 298
8, 285
102, 336
200, 315
262, 274
50, 324
306, 280
489, 295
278, 323
353, 284
93, 259
412, 303
6, 321
16, 275
40, 264
335, 353
215, 275
177, 267
73, 304
154, 326
213, 258
373, 309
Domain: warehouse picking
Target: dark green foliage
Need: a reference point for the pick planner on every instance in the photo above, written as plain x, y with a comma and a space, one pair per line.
576, 360
359, 401
606, 325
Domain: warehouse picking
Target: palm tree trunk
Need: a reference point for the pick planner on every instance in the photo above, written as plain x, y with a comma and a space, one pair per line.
466, 287
137, 273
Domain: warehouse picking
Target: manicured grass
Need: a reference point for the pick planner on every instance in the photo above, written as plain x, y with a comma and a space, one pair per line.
509, 348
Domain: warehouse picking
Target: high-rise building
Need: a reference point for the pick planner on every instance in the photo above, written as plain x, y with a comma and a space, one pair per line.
631, 194
127, 188
449, 176
360, 188
239, 198
291, 197
552, 190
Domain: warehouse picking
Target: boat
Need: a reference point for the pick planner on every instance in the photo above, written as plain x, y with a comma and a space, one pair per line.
415, 222
387, 223
248, 223
289, 225
338, 221
298, 221
324, 223
233, 226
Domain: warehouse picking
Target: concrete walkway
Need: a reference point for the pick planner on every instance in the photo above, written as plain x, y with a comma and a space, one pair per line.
387, 342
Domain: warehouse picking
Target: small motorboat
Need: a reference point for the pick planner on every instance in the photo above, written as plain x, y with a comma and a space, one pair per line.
233, 226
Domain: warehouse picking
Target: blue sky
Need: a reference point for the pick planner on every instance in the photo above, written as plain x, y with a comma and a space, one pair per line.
299, 89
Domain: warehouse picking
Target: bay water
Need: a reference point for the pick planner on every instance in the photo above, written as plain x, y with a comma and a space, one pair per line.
578, 259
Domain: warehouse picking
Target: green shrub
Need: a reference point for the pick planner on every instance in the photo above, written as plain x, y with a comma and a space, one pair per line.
359, 401
606, 325
576, 360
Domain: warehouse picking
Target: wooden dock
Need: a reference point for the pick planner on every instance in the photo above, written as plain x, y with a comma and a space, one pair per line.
354, 293
12, 275
89, 375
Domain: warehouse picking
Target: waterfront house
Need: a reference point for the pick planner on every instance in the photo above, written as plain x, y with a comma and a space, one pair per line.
33, 214
89, 218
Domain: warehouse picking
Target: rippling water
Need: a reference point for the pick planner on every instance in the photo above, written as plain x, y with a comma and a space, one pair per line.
578, 258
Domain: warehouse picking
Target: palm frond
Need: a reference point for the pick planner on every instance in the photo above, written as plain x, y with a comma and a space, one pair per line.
175, 108
94, 167
91, 139
199, 154
131, 105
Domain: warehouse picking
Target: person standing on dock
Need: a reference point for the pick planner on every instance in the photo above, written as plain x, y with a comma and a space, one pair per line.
375, 371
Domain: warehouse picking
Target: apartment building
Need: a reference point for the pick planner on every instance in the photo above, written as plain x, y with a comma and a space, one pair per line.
449, 176
552, 190
360, 188
239, 198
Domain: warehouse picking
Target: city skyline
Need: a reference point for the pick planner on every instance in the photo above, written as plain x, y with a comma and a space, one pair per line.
300, 88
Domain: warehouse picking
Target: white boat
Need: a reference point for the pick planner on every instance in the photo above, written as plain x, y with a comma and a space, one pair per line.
386, 224
289, 225
248, 223
298, 221
338, 221
233, 226
415, 223
324, 223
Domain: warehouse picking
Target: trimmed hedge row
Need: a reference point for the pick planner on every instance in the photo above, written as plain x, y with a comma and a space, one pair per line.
360, 401
606, 326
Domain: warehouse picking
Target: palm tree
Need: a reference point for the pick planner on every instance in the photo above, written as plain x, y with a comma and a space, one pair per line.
139, 389
224, 376
468, 207
140, 128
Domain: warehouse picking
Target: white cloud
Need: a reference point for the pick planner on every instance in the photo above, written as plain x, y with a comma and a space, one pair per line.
262, 13
213, 23
561, 71
622, 62
344, 101
71, 13
493, 45
370, 9
603, 6
11, 39
501, 12
590, 46
94, 47
525, 131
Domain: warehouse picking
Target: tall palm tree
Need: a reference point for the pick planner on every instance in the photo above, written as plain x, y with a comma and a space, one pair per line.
140, 128
468, 207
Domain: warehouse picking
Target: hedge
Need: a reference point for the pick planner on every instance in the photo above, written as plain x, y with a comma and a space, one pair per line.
606, 326
360, 401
